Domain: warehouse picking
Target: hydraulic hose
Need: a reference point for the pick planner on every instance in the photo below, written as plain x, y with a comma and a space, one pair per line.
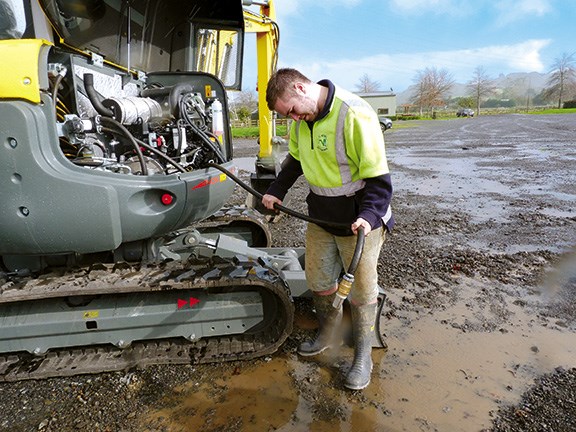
94, 98
345, 284
110, 122
278, 206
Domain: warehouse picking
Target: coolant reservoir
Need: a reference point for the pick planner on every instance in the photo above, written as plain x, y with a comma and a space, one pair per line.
217, 118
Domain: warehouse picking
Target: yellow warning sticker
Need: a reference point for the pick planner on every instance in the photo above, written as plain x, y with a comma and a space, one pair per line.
91, 314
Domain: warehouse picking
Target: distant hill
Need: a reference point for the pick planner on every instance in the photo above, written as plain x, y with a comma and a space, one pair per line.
521, 82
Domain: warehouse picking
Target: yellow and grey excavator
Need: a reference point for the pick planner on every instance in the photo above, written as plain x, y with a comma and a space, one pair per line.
116, 248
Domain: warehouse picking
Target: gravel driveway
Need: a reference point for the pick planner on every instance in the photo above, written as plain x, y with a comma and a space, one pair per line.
480, 274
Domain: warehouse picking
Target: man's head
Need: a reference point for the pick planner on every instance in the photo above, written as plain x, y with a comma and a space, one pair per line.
292, 94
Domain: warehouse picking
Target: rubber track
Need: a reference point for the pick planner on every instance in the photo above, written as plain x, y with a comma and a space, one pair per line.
110, 279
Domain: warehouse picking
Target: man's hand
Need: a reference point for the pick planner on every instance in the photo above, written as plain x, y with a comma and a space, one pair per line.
361, 223
269, 200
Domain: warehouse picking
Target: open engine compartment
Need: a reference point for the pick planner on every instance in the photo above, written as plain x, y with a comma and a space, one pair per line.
162, 124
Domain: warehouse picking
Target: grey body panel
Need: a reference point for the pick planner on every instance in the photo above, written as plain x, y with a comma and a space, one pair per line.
51, 206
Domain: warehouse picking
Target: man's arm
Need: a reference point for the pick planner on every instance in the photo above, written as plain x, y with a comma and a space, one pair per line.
291, 170
375, 202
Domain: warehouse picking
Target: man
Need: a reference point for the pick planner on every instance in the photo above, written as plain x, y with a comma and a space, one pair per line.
337, 143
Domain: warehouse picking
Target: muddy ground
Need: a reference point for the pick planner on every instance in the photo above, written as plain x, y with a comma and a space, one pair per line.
480, 274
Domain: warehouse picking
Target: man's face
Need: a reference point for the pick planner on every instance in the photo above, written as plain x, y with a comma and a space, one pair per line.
297, 104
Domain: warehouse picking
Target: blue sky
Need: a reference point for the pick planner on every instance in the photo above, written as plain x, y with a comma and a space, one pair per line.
391, 40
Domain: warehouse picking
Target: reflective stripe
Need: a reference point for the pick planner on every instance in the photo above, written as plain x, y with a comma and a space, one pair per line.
341, 158
347, 189
386, 218
298, 130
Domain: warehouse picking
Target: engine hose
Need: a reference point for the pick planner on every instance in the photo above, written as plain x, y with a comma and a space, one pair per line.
107, 121
162, 155
94, 98
212, 146
345, 284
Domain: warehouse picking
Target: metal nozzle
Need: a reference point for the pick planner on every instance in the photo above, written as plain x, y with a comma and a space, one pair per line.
344, 287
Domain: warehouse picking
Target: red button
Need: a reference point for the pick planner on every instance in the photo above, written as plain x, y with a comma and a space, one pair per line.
167, 199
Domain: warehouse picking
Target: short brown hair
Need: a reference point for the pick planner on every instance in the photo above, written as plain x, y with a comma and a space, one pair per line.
280, 82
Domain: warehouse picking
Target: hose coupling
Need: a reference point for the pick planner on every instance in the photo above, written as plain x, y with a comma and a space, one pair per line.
344, 287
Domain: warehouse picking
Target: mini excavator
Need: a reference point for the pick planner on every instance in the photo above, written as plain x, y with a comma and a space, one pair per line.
116, 247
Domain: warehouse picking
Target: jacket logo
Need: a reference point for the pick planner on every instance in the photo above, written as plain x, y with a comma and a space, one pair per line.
322, 143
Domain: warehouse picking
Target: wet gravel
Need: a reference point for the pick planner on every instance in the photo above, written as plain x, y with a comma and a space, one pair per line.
513, 235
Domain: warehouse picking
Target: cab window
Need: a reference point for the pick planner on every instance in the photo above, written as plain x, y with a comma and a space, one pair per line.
12, 19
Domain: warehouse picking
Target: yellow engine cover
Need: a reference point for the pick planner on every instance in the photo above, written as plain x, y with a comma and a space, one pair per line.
23, 79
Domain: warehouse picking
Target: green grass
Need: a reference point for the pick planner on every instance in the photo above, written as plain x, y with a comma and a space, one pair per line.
281, 130
554, 111
251, 132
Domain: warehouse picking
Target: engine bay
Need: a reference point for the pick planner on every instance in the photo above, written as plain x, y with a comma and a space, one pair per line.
159, 124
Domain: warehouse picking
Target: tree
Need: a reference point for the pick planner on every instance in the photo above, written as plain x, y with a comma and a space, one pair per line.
366, 85
563, 77
481, 86
432, 86
243, 103
467, 102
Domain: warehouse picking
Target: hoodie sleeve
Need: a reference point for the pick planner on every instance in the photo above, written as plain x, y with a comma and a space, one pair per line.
291, 170
375, 202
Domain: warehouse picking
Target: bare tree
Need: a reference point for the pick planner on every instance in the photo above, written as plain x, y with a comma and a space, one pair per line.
481, 86
366, 85
243, 103
432, 86
563, 76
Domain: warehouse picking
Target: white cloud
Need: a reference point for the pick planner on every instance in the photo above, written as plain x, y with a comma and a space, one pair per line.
513, 10
444, 7
294, 7
399, 70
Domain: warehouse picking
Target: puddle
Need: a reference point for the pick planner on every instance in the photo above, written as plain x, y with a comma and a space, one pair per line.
257, 398
434, 377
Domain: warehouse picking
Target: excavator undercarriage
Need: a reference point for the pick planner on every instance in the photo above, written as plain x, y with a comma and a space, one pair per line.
112, 317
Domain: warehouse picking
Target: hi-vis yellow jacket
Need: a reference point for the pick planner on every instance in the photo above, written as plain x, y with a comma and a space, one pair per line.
341, 149
342, 155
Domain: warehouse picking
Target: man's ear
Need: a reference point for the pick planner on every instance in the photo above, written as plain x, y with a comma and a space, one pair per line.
299, 88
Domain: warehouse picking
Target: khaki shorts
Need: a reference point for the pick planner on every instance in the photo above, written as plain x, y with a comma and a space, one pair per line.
328, 255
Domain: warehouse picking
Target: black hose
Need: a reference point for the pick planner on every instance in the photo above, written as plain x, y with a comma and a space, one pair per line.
162, 155
212, 146
279, 207
151, 149
111, 122
357, 251
55, 89
94, 97
361, 237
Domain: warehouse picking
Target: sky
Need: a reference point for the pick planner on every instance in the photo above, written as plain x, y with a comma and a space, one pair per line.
390, 41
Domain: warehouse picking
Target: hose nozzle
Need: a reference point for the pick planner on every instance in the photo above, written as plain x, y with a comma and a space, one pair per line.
344, 287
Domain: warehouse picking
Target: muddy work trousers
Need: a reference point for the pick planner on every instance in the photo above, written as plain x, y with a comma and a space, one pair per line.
327, 255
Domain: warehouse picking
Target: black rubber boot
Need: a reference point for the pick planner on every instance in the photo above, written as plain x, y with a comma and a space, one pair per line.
363, 318
329, 320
